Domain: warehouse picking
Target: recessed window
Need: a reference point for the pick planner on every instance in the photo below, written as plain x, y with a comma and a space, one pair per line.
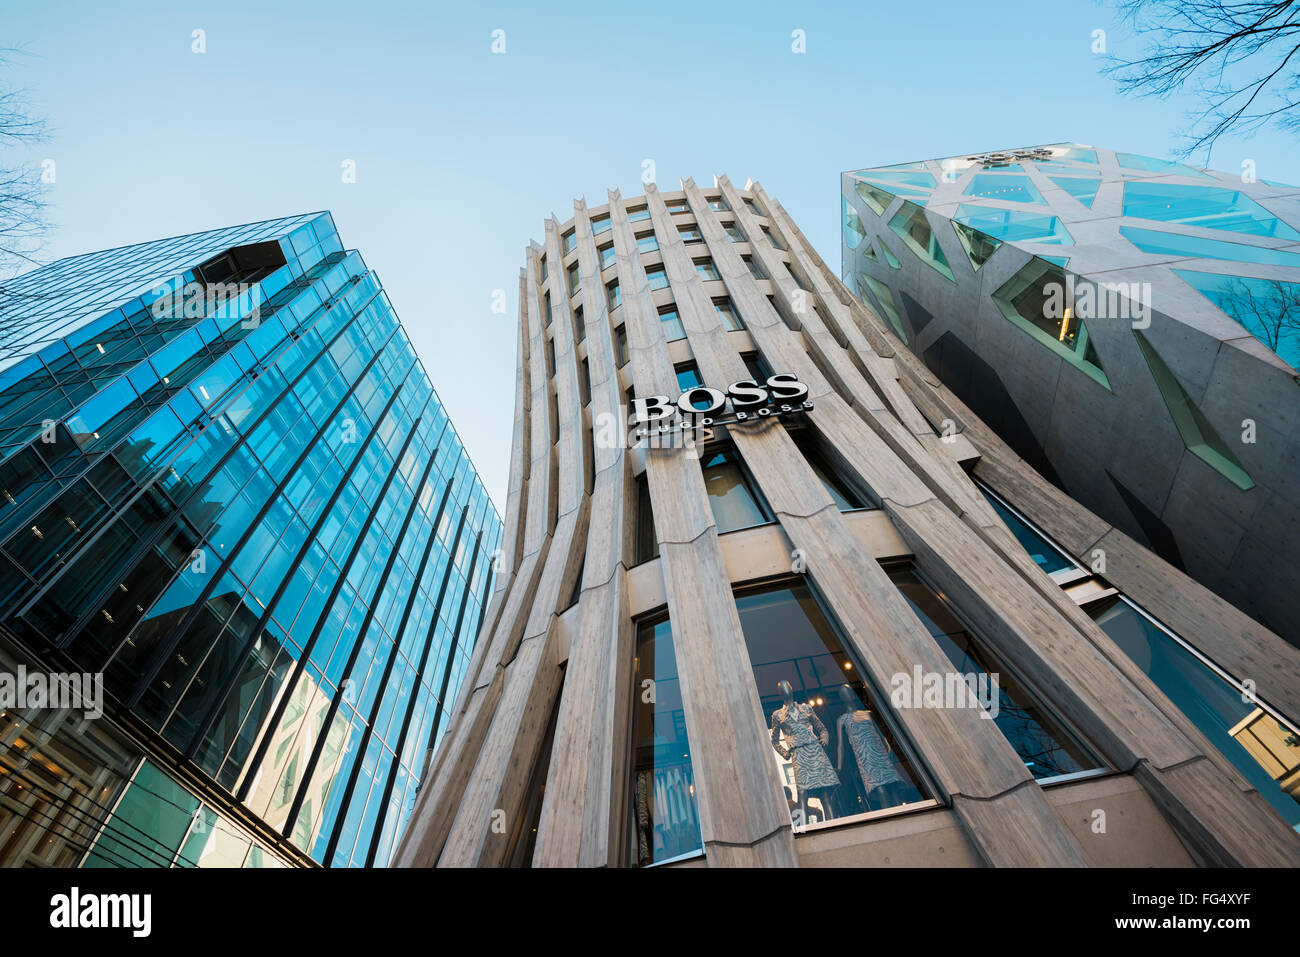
1208, 207
657, 277
584, 383
735, 499
1009, 187
790, 270
543, 268
600, 224
1245, 733
730, 318
613, 295
884, 297
546, 307
672, 324
664, 821
637, 214
755, 269
1197, 432
733, 231
843, 491
646, 242
1047, 748
758, 369
688, 377
1044, 555
677, 206
706, 270
606, 253
853, 231
837, 752
1005, 225
753, 207
1034, 300
580, 323
550, 357
772, 239
978, 246
720, 205
647, 542
570, 241
911, 226
690, 234
575, 279
620, 346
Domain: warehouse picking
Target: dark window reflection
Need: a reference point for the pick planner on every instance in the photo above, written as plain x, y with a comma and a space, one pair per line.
1044, 555
665, 824
1046, 747
1265, 751
735, 501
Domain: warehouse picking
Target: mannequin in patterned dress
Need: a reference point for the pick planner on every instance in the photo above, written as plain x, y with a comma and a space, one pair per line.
871, 751
806, 739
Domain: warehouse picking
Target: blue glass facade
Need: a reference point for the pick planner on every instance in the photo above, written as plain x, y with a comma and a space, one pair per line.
228, 485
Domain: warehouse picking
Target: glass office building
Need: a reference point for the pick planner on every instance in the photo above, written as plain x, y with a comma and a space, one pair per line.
228, 487
1129, 325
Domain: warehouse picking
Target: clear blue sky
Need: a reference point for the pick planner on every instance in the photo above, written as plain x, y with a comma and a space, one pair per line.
460, 154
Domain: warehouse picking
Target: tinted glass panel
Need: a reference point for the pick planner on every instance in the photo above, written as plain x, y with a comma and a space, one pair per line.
665, 823
1047, 749
735, 502
1262, 748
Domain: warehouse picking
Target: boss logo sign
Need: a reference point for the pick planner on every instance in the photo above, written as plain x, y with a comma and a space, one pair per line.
702, 406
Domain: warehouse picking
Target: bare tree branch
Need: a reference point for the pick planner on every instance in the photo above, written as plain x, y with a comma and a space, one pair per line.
1241, 58
22, 194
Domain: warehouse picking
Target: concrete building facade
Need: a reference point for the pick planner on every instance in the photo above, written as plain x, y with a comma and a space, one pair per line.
1129, 325
800, 607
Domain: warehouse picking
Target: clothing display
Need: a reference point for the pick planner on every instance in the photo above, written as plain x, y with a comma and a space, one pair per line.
869, 749
665, 813
805, 737
643, 786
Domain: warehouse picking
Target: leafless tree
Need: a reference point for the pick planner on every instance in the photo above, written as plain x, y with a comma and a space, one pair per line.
1270, 309
22, 194
1241, 58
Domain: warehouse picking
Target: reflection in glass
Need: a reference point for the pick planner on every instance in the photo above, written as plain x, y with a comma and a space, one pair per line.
1160, 242
1014, 226
1044, 555
1010, 187
834, 752
842, 491
1035, 299
978, 246
1210, 207
914, 230
665, 822
853, 231
877, 199
1046, 747
1082, 189
1269, 309
884, 296
1265, 751
735, 502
